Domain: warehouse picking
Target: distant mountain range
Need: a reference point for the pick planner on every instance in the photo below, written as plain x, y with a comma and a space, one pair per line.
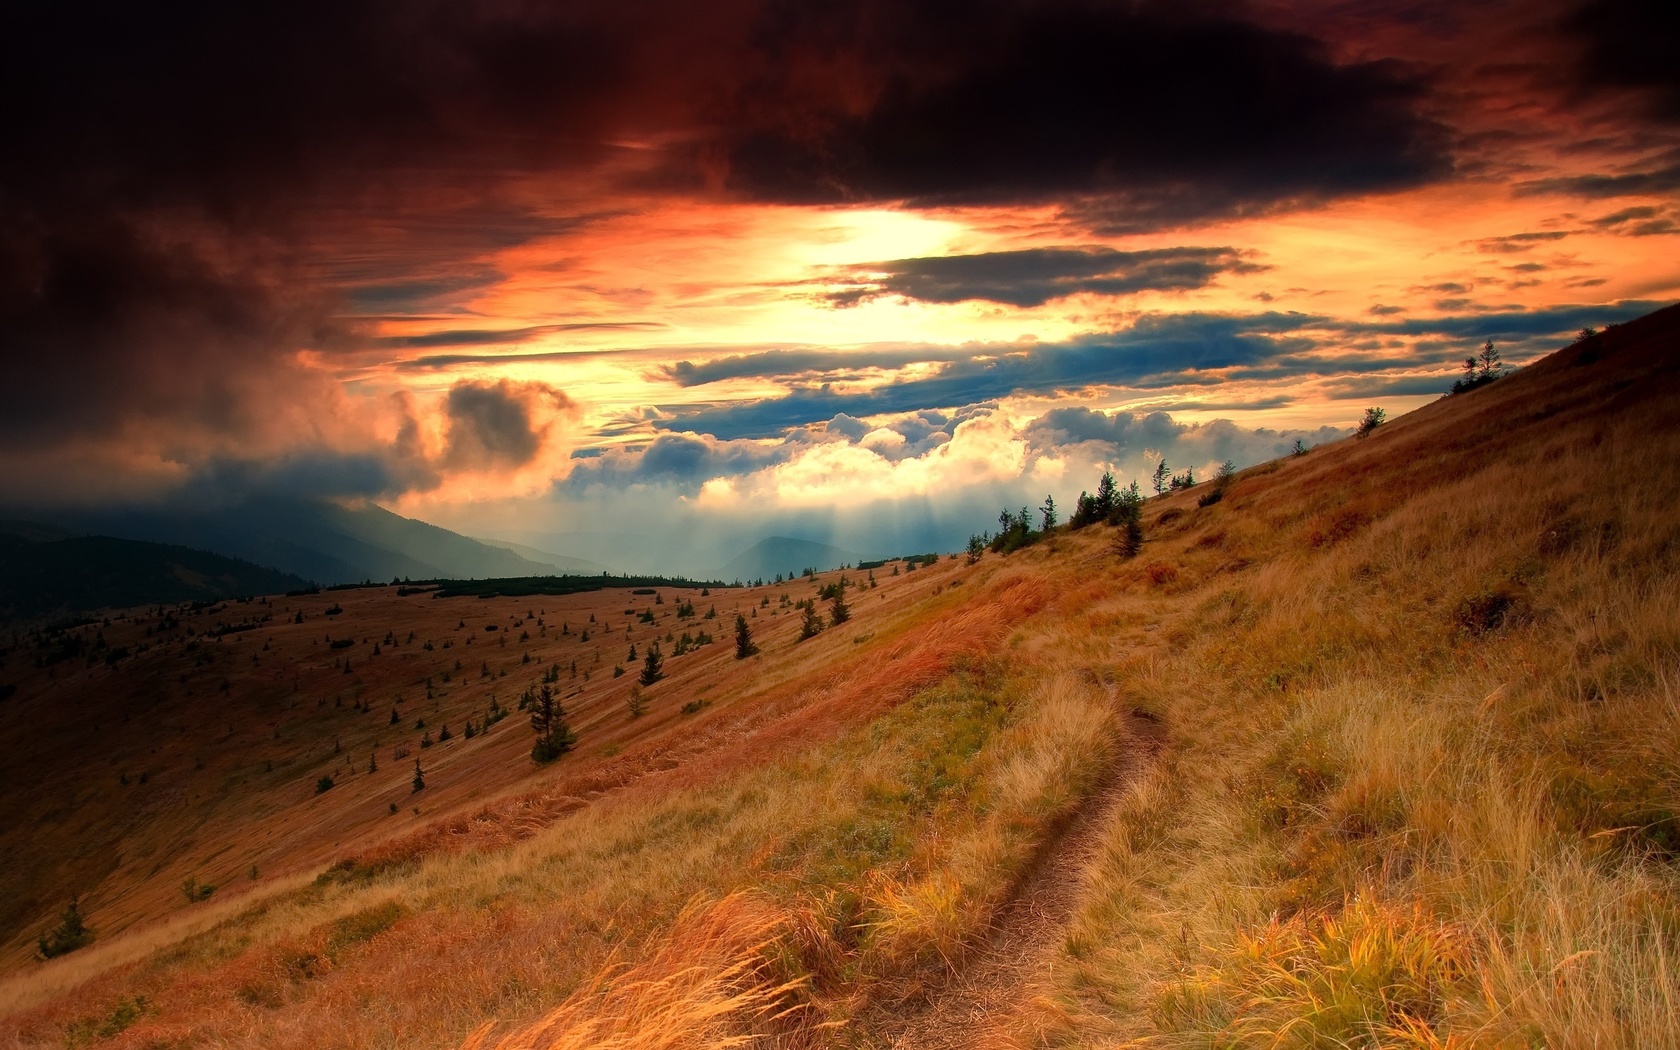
327, 543
784, 555
701, 557
561, 563
44, 572
131, 557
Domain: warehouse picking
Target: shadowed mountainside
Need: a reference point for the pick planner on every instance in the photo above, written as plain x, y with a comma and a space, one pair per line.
323, 542
78, 574
784, 556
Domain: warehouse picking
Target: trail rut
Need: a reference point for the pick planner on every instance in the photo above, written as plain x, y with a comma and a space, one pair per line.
977, 1006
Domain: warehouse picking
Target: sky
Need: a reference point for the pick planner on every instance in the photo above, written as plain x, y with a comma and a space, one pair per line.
651, 278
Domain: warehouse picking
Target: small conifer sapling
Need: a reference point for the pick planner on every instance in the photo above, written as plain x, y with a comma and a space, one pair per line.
744, 646
812, 624
652, 665
548, 721
70, 933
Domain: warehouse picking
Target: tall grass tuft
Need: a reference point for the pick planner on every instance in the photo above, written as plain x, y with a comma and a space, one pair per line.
713, 982
1371, 975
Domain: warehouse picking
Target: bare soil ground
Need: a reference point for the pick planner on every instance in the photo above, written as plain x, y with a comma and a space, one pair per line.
979, 1004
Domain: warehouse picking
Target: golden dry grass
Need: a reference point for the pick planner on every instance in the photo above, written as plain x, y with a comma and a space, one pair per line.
712, 983
1413, 705
1421, 788
838, 784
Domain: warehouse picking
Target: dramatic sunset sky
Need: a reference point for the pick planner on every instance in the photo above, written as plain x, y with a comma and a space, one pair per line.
856, 271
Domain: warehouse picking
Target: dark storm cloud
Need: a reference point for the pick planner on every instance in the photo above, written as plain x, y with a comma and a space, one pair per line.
797, 362
1035, 276
1510, 324
192, 192
171, 171
208, 188
1187, 349
1617, 218
1257, 404
1363, 387
1598, 187
388, 296
1177, 346
683, 460
246, 108
1654, 228
1518, 242
1629, 45
493, 337
1120, 429
496, 425
1153, 114
1126, 436
103, 323
310, 473
1155, 335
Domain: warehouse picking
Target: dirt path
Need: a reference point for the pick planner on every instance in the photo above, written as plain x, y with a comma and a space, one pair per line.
975, 1007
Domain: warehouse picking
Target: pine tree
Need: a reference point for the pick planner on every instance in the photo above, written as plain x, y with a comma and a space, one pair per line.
70, 933
637, 704
652, 665
1162, 476
1486, 367
838, 611
554, 737
744, 646
812, 624
419, 781
1107, 493
373, 762
1128, 514
1489, 359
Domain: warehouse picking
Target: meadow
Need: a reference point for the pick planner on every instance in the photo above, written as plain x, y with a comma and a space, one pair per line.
1378, 749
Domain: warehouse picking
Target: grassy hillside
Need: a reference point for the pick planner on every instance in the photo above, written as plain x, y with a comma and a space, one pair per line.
1377, 750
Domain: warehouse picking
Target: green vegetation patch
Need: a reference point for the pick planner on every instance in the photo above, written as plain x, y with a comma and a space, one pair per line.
363, 925
105, 1025
935, 739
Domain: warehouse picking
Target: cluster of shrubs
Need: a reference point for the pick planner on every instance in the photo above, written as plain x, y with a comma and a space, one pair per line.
1111, 505
1484, 368
70, 934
